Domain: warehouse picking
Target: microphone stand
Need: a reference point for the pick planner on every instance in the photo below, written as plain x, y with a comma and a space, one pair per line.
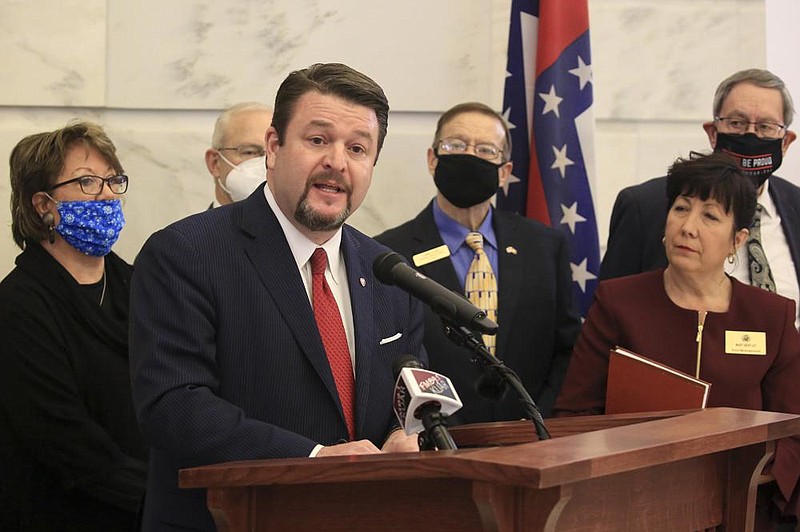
435, 436
464, 337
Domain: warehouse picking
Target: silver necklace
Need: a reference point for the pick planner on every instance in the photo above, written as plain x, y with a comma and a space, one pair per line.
103, 293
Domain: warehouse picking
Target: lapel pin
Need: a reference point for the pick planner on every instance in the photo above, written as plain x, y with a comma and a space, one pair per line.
511, 249
362, 281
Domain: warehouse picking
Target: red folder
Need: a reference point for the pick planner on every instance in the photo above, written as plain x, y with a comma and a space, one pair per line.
639, 384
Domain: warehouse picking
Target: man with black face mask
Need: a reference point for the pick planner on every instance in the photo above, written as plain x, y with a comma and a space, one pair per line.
751, 115
529, 290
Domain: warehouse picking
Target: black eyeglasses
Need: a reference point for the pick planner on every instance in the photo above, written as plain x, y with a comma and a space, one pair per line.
247, 151
93, 184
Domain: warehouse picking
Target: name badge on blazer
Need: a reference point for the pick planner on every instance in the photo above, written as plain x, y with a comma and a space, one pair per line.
745, 343
432, 255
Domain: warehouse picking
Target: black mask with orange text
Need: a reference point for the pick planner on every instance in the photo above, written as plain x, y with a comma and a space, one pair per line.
758, 158
466, 180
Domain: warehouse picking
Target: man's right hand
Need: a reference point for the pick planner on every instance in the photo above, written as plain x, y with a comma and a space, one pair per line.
351, 447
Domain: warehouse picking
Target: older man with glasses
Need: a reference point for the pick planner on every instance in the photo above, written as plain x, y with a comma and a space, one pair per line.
236, 159
516, 270
752, 113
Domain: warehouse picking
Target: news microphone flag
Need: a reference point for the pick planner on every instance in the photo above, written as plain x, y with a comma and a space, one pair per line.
547, 103
416, 387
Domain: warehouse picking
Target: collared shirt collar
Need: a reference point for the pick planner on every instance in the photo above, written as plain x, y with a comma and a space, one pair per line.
765, 200
454, 234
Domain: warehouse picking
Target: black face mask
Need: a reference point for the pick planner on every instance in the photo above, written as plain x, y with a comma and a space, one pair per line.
758, 158
466, 180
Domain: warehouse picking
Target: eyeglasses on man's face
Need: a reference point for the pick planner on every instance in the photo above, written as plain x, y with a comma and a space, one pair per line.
247, 151
484, 151
739, 126
93, 185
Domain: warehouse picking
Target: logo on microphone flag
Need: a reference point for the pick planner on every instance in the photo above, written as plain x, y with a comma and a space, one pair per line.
416, 387
547, 103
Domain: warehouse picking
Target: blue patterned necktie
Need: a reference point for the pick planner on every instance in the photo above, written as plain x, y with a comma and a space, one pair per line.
760, 274
481, 284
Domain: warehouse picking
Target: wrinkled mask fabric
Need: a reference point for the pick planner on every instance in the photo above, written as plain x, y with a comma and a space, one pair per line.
244, 178
466, 180
758, 158
91, 227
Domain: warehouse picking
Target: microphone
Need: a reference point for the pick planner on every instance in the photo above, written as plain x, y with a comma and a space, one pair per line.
491, 384
423, 399
391, 269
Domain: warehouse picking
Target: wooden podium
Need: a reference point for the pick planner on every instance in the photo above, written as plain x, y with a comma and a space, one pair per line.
662, 471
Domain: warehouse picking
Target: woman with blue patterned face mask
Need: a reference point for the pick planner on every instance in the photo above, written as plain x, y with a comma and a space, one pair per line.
73, 446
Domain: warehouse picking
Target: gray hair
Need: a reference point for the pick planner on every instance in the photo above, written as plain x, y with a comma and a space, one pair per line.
759, 78
218, 137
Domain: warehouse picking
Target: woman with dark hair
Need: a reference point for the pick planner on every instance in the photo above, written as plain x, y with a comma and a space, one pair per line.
688, 314
71, 455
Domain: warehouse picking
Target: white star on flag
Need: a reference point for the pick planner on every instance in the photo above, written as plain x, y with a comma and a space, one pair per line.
580, 274
505, 116
584, 72
561, 161
571, 216
551, 101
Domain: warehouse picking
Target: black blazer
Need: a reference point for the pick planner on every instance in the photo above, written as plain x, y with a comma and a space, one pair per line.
227, 362
537, 314
71, 454
640, 214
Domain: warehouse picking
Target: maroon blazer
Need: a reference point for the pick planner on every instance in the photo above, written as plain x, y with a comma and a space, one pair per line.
635, 313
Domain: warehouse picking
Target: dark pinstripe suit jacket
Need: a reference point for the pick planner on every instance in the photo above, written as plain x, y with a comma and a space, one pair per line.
226, 359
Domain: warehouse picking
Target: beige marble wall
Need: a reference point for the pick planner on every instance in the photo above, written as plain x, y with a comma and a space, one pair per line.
157, 73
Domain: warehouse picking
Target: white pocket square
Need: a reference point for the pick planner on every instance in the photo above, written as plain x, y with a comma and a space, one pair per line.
390, 339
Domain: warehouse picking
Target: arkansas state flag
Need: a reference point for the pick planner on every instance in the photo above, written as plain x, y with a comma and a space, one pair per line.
548, 105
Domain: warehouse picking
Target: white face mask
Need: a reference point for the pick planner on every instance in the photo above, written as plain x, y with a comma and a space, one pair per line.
244, 178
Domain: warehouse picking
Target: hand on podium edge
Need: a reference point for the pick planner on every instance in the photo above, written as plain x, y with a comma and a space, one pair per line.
347, 448
399, 442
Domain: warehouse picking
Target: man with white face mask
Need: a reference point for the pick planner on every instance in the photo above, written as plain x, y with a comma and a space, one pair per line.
236, 159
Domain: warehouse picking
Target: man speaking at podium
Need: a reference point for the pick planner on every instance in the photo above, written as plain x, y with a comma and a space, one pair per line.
258, 329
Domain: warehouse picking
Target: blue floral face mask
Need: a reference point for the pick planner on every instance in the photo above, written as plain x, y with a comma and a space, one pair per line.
91, 227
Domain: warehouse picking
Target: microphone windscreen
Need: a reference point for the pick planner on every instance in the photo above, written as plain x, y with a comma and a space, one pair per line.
491, 385
405, 361
383, 265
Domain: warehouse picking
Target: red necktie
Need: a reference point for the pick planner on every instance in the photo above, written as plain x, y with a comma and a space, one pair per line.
329, 322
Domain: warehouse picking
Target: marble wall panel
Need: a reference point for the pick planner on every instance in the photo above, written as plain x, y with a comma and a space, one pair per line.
207, 54
54, 53
156, 75
663, 60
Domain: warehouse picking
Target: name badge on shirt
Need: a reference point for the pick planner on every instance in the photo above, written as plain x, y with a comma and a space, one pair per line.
745, 343
432, 255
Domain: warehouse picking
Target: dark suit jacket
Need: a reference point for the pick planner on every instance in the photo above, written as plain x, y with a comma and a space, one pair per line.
227, 362
538, 318
640, 214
